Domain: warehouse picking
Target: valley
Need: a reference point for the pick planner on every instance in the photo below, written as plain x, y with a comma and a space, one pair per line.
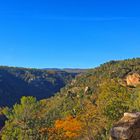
86, 105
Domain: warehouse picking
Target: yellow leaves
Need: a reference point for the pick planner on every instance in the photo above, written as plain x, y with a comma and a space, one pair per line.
68, 124
58, 124
71, 126
67, 128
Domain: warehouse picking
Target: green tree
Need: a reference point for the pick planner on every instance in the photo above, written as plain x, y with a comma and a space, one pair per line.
113, 100
135, 106
24, 121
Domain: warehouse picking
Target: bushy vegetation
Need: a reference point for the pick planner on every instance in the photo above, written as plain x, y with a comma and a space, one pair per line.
84, 109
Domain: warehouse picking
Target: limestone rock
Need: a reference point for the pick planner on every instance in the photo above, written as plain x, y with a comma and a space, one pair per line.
133, 79
128, 128
86, 90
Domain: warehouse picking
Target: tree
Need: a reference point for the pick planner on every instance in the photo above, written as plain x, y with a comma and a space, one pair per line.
24, 120
113, 100
135, 105
65, 129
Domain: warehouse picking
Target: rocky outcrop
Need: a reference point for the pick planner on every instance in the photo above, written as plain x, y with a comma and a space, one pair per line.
133, 79
128, 128
86, 90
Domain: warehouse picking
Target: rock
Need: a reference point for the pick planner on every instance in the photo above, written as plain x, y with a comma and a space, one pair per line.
128, 128
133, 79
132, 115
73, 82
86, 90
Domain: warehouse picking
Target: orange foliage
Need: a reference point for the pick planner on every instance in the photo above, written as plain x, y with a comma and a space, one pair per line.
67, 128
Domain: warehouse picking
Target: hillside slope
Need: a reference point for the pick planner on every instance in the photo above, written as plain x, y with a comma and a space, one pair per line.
18, 82
99, 97
86, 108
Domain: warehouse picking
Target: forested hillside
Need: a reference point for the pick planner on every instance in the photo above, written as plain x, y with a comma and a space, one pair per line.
18, 82
85, 109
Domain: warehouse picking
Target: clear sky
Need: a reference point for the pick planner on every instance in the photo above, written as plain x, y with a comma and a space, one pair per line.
68, 33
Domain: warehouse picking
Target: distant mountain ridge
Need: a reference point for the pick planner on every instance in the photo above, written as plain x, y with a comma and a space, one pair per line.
17, 82
69, 70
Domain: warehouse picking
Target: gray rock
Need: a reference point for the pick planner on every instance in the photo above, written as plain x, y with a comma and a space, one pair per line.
128, 128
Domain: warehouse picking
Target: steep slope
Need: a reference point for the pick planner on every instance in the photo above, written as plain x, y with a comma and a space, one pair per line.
125, 73
86, 108
18, 82
99, 97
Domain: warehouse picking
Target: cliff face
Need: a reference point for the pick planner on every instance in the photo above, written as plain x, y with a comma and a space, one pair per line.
128, 128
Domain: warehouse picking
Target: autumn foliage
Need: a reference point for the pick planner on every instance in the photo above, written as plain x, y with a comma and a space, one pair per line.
67, 128
85, 109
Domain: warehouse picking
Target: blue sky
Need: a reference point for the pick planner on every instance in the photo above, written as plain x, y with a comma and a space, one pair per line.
68, 33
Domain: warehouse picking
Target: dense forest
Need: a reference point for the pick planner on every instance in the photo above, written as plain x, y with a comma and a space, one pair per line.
18, 82
85, 109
